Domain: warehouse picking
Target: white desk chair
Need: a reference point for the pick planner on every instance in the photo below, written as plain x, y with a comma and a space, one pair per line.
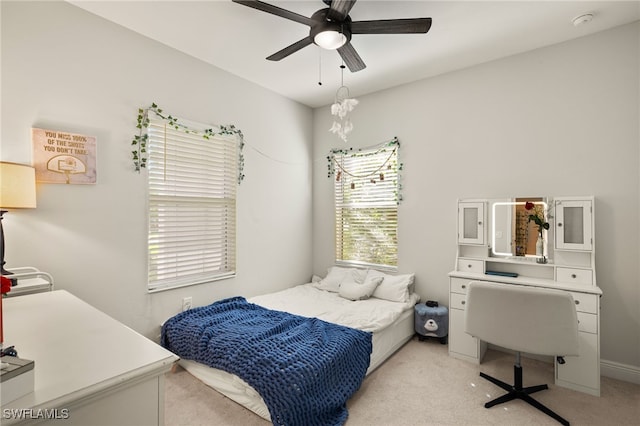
524, 319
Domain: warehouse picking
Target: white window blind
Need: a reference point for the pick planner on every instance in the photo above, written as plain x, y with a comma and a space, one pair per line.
192, 185
366, 201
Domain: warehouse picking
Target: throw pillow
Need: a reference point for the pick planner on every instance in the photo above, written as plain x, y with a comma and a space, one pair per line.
352, 290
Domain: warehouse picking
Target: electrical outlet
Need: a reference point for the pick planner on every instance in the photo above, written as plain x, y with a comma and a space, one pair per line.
187, 303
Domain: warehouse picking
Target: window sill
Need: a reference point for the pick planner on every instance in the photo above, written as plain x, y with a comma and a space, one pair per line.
166, 287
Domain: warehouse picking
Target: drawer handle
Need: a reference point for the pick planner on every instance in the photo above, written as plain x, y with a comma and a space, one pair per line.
469, 265
573, 275
577, 302
464, 286
559, 225
463, 302
480, 223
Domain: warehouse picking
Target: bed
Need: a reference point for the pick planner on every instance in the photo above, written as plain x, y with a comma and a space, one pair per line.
366, 301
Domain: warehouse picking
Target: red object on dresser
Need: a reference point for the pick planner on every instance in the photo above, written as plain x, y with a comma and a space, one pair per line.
6, 288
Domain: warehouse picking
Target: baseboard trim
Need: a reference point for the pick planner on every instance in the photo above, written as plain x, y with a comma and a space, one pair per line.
615, 370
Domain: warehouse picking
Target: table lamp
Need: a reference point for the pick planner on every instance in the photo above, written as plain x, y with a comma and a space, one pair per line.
17, 191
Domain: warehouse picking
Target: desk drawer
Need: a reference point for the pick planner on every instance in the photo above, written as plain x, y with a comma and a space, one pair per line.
469, 265
458, 301
586, 302
587, 323
574, 276
459, 285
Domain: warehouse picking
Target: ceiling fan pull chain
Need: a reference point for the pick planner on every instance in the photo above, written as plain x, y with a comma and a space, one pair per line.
319, 67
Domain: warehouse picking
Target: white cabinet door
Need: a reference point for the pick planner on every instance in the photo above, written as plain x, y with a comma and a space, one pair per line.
582, 372
471, 223
461, 343
574, 224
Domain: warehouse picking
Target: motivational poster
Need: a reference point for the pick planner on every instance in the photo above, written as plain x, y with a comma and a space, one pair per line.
63, 157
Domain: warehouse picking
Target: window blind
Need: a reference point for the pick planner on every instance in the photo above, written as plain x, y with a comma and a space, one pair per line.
192, 185
366, 201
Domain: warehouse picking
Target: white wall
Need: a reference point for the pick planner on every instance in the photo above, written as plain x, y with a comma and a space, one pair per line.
562, 120
66, 69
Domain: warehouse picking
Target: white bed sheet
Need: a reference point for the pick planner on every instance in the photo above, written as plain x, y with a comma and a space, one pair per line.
391, 323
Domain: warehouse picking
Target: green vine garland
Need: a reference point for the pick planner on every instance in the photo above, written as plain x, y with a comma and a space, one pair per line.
393, 145
139, 142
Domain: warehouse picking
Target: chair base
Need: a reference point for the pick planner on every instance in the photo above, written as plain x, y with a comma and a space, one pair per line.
516, 391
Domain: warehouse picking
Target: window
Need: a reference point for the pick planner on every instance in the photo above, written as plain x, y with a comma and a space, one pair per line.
366, 202
192, 182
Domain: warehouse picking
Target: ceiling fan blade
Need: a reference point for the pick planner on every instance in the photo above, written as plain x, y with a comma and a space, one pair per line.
392, 26
290, 49
275, 10
351, 58
340, 9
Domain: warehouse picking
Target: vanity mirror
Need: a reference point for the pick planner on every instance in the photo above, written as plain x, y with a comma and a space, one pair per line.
520, 228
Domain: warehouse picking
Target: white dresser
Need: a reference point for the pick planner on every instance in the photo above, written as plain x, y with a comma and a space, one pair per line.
89, 368
495, 245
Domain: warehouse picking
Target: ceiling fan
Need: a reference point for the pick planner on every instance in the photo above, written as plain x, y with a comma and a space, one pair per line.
332, 28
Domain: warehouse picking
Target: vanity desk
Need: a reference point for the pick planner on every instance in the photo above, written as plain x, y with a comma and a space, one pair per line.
500, 241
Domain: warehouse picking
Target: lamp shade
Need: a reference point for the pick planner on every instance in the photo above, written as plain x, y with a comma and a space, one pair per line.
17, 186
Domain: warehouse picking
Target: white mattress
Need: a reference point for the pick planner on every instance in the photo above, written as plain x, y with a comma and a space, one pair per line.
390, 322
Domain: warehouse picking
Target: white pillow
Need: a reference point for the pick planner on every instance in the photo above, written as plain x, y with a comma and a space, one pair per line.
336, 275
394, 288
352, 290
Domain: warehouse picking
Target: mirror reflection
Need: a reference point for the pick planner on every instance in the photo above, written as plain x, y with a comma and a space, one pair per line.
519, 228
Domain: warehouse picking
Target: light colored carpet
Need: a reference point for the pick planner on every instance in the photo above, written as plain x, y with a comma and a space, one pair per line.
422, 385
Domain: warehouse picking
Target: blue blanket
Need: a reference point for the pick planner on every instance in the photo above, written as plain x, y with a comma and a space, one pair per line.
305, 369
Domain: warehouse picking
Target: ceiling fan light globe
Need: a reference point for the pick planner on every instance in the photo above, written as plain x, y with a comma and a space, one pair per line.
330, 39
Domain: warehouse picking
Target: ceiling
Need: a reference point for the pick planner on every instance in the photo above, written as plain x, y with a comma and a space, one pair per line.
237, 38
